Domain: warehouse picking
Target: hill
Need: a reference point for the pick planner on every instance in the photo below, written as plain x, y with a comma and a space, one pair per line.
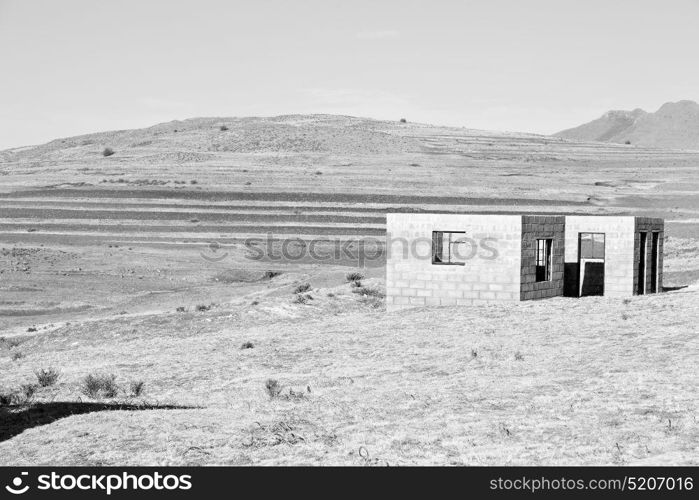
675, 125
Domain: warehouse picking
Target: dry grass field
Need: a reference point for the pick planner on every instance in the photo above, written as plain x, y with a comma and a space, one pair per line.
107, 268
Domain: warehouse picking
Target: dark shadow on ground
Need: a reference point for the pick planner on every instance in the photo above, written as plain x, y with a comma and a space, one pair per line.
673, 288
15, 419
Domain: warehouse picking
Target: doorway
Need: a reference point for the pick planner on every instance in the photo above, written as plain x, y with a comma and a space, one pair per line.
654, 262
641, 286
591, 258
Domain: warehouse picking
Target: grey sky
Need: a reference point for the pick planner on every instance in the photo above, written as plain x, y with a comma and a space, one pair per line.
72, 67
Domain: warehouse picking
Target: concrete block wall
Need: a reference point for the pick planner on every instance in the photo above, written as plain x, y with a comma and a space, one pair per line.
542, 227
648, 225
492, 273
619, 252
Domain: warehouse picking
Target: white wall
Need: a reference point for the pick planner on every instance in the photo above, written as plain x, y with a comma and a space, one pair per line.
412, 279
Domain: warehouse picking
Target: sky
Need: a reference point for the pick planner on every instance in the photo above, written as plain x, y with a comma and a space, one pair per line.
78, 66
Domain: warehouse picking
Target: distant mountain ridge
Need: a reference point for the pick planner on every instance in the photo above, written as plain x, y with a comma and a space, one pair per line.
675, 125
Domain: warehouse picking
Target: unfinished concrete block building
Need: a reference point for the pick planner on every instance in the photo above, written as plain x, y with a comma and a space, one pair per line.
471, 259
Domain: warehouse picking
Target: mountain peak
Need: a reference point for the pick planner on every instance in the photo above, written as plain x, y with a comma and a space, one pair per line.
675, 125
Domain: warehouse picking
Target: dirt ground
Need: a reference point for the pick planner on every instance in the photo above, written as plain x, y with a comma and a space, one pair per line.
142, 265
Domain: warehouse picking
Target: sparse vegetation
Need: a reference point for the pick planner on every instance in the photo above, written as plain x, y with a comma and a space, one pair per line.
180, 309
223, 128
28, 391
31, 329
107, 152
202, 308
403, 120
271, 274
47, 376
304, 287
136, 388
247, 345
193, 181
354, 276
273, 388
627, 142
100, 385
302, 298
17, 355
519, 356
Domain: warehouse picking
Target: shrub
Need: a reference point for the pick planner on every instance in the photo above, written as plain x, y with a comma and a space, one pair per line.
356, 284
107, 152
95, 385
193, 181
272, 274
31, 329
223, 128
180, 309
136, 387
17, 355
28, 391
354, 276
302, 299
7, 398
403, 120
318, 172
302, 288
369, 292
273, 388
474, 353
519, 356
202, 308
47, 376
627, 142
247, 345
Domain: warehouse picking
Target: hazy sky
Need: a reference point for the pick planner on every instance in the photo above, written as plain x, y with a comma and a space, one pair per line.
69, 67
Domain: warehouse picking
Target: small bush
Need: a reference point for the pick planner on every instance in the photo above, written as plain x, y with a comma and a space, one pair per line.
247, 345
47, 376
302, 299
193, 181
354, 276
403, 120
519, 356
180, 309
624, 316
7, 398
272, 274
17, 355
369, 292
273, 388
318, 172
136, 388
31, 329
202, 308
107, 152
474, 353
223, 128
95, 385
356, 284
302, 288
255, 303
627, 142
28, 391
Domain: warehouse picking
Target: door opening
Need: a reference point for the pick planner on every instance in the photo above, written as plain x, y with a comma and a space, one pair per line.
591, 263
654, 263
641, 287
